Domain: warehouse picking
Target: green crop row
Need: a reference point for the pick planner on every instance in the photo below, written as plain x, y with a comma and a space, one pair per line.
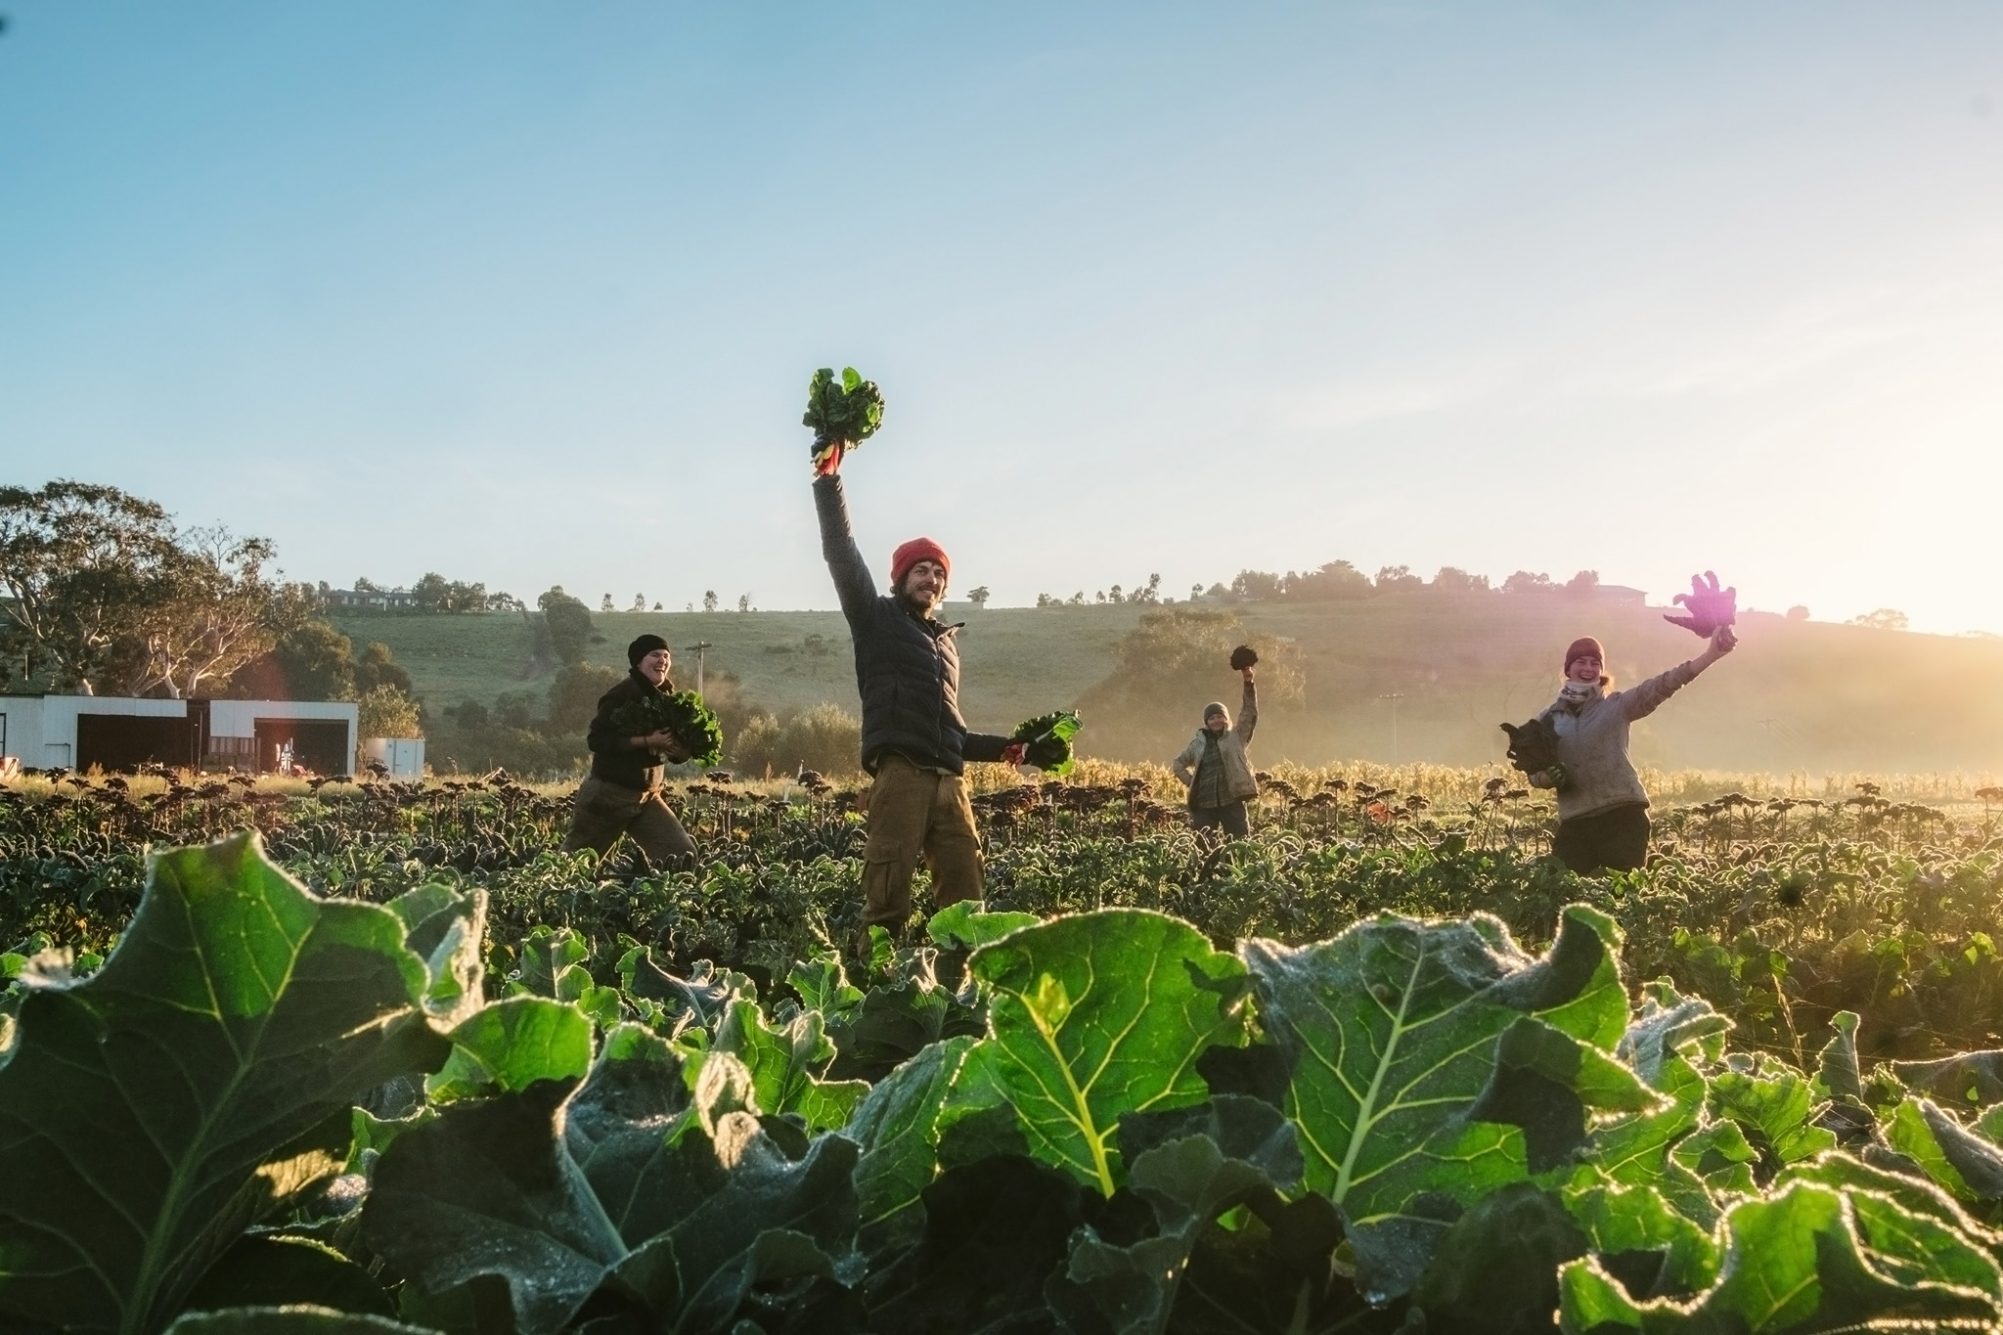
273, 1110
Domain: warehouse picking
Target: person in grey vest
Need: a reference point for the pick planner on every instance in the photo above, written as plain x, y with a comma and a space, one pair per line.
1214, 766
1602, 807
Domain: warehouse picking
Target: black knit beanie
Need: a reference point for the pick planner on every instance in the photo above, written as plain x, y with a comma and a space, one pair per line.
643, 646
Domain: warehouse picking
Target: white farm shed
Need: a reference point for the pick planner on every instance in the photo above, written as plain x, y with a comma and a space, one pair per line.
78, 732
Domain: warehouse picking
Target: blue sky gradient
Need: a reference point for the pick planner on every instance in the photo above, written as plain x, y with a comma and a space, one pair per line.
529, 294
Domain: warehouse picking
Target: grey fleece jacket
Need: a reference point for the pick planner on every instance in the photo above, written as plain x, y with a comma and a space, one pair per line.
1239, 779
1592, 745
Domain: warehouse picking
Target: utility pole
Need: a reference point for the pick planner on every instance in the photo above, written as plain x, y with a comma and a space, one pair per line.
698, 649
1394, 697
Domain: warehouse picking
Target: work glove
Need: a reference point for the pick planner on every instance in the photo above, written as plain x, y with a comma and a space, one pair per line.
1707, 607
828, 455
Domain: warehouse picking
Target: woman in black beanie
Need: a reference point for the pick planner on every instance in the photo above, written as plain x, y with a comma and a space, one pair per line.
622, 794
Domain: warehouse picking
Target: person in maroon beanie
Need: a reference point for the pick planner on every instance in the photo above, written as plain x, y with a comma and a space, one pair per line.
1602, 807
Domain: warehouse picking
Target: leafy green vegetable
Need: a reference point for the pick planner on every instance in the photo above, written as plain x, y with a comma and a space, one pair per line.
1391, 1032
996, 1229
1969, 1166
485, 1189
1963, 1079
897, 1126
274, 1270
786, 1064
239, 1134
512, 1044
1049, 741
847, 410
684, 1202
1806, 1259
681, 714
1094, 1017
1624, 1224
1496, 1269
965, 924
1189, 1166
1776, 1109
1667, 1039
197, 1082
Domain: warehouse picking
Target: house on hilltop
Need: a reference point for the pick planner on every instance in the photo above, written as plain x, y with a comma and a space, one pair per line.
369, 600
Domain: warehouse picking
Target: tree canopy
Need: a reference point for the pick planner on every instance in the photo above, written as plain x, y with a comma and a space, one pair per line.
101, 592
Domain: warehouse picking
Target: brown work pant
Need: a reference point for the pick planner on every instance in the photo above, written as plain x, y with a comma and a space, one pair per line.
914, 811
604, 811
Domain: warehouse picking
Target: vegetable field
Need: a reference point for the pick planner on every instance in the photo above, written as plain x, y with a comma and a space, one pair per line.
379, 1059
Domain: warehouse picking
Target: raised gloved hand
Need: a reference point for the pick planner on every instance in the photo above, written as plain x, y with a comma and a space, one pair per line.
1015, 753
1707, 607
828, 456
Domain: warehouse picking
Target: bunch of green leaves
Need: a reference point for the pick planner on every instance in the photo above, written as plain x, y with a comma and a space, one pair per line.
1533, 746
1049, 741
849, 409
681, 714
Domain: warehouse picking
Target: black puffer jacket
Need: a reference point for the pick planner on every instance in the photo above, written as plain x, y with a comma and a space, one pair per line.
907, 667
613, 758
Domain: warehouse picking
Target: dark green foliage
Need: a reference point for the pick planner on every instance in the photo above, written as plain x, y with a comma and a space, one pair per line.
564, 631
311, 661
849, 409
1433, 1126
1533, 747
682, 715
1049, 738
236, 1000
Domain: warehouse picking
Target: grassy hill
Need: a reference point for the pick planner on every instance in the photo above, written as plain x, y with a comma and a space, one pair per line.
1796, 696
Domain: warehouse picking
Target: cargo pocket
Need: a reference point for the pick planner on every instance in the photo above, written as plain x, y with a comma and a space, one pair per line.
886, 892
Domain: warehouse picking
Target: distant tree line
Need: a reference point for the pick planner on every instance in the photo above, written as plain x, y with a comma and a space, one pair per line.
432, 594
1337, 581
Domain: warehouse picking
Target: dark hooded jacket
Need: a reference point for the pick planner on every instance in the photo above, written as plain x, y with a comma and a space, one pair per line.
907, 665
613, 758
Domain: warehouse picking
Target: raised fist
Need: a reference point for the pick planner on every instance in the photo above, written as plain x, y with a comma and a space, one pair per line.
828, 455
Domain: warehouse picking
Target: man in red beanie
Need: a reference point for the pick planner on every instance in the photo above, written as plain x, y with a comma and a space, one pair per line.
914, 742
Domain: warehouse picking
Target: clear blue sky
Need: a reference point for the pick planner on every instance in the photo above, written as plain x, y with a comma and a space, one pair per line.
529, 294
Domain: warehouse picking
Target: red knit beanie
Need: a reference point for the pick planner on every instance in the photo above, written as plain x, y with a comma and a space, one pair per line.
911, 553
1583, 647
